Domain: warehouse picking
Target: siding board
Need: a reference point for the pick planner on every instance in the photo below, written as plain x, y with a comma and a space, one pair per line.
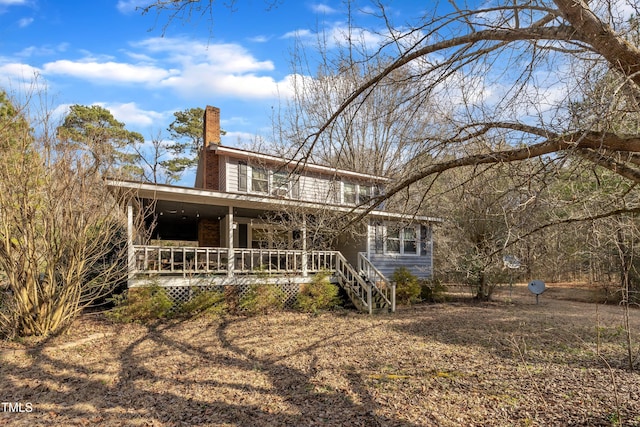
421, 266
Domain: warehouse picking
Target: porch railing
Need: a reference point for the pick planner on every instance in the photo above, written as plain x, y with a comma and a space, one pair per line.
203, 260
366, 285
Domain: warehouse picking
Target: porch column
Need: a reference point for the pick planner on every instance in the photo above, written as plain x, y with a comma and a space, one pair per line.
231, 262
368, 244
304, 246
131, 253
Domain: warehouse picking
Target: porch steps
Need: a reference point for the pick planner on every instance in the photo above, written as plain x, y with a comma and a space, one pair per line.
362, 291
379, 305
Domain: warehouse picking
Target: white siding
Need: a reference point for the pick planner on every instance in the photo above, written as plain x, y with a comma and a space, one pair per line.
232, 174
318, 188
312, 187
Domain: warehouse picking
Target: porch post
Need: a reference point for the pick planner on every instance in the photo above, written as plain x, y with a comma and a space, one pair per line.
131, 254
231, 262
368, 245
393, 297
304, 246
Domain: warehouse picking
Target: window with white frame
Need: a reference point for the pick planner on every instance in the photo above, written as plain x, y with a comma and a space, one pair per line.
409, 240
402, 240
357, 193
393, 240
280, 184
348, 193
259, 180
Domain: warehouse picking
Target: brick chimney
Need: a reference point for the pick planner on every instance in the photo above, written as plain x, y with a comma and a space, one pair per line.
208, 173
211, 129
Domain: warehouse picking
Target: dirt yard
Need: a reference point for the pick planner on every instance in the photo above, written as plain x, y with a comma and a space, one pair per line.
507, 362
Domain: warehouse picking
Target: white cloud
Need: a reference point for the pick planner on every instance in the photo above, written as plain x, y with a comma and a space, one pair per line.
199, 80
226, 57
12, 2
259, 39
14, 75
25, 22
130, 114
218, 69
108, 72
323, 9
42, 50
338, 34
189, 68
239, 139
298, 34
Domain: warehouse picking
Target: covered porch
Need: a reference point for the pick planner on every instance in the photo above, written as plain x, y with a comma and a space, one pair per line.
184, 237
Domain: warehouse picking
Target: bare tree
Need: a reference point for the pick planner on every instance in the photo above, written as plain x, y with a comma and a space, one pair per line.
511, 70
468, 55
62, 237
376, 136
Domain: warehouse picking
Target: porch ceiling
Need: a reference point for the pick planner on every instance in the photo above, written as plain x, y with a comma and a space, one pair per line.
173, 211
214, 203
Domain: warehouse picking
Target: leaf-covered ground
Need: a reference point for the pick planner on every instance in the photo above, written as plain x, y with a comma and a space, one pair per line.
507, 362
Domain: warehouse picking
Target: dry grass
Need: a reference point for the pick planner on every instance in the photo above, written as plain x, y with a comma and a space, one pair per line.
508, 362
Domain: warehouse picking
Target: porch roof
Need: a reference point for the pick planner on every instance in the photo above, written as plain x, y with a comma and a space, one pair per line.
196, 196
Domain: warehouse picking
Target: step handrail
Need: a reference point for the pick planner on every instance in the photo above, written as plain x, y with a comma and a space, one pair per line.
374, 276
354, 281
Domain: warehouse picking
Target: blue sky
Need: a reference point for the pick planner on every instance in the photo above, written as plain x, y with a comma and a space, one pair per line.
105, 52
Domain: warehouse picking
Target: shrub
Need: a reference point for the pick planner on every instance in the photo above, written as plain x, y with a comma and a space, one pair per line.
141, 305
204, 302
320, 294
407, 286
262, 299
432, 291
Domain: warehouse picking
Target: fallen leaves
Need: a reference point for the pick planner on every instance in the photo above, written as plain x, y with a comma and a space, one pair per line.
503, 363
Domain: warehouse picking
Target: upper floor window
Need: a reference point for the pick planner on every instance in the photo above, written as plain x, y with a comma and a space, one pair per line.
259, 180
264, 181
349, 193
365, 193
280, 184
357, 193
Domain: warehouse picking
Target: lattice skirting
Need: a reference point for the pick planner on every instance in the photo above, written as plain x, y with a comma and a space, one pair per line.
182, 294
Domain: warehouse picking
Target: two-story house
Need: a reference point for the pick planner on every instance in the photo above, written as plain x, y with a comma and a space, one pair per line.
258, 217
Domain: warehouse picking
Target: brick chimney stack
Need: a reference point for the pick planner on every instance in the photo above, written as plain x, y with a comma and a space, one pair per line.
208, 173
211, 129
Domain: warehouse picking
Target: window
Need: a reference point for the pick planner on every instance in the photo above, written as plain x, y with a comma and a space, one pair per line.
409, 240
349, 194
295, 186
259, 180
393, 241
402, 240
364, 193
280, 184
